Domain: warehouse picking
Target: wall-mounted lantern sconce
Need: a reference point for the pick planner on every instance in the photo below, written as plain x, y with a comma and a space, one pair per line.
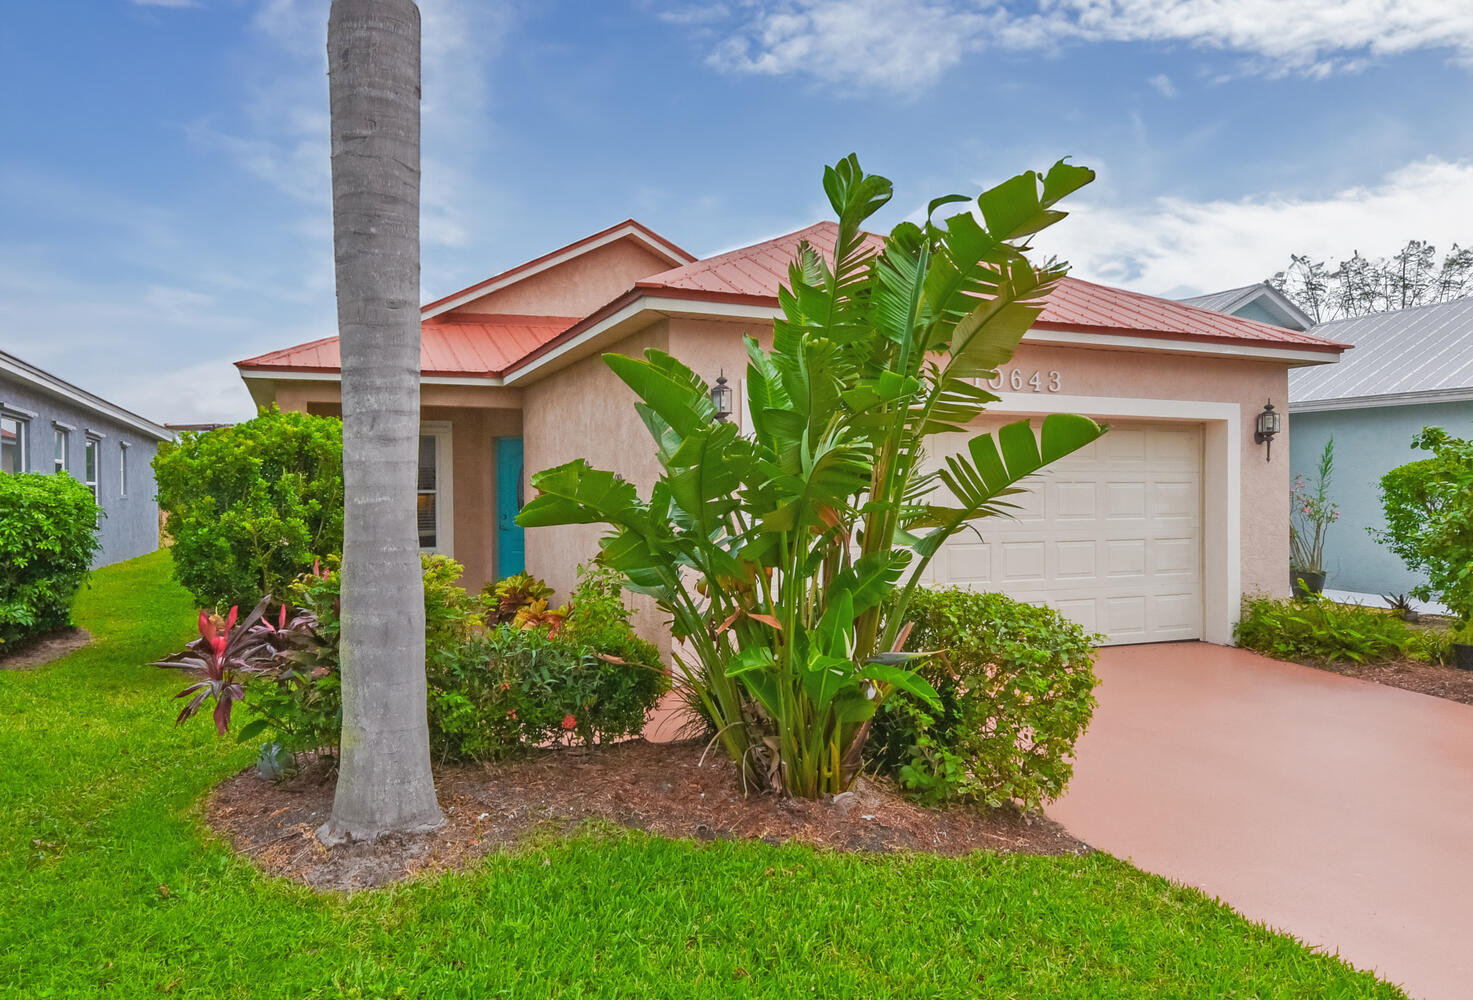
721, 398
1266, 428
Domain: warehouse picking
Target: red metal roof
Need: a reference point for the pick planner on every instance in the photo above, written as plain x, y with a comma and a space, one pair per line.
493, 344
754, 273
477, 344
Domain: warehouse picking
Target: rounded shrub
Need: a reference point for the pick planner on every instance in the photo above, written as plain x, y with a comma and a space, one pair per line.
1016, 686
250, 507
48, 535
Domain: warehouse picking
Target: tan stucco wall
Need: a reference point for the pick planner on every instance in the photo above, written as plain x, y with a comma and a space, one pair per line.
576, 287
584, 411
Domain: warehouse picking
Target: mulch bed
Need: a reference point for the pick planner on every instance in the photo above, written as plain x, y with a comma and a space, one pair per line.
42, 650
1414, 675
662, 788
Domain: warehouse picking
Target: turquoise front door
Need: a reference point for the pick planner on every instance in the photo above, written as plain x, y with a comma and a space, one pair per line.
511, 549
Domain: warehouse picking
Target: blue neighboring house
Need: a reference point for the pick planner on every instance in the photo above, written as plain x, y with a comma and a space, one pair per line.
48, 425
1410, 369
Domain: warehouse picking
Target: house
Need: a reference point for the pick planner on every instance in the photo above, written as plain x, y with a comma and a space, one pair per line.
1258, 302
51, 426
1410, 369
1152, 533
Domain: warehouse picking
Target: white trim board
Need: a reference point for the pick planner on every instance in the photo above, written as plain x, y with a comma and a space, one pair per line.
1222, 483
443, 433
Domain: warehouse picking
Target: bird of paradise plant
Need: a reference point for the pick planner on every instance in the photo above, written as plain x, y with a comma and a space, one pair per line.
786, 558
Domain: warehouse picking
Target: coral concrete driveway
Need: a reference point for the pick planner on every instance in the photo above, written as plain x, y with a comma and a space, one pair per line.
1336, 809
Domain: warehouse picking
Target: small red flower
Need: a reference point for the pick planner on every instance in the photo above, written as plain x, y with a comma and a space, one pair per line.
569, 722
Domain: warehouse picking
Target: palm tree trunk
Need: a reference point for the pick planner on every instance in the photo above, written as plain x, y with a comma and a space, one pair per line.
384, 780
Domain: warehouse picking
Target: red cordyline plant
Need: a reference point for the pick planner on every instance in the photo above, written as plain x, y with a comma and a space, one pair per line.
225, 656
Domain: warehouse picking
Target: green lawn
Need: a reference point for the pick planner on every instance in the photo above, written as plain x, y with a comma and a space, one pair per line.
98, 811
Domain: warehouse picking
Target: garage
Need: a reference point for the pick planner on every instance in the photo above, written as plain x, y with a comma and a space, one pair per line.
1111, 537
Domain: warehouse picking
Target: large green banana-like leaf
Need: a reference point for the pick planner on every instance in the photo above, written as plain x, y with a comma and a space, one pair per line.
870, 580
988, 335
704, 477
957, 402
994, 466
898, 297
1013, 210
827, 477
668, 387
577, 493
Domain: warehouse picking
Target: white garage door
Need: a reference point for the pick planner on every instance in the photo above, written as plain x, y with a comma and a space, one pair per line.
1111, 537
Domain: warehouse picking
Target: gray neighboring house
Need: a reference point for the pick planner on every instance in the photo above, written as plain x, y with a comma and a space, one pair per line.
1258, 302
1409, 369
49, 425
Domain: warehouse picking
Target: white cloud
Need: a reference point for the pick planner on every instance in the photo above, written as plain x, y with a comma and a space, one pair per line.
879, 43
285, 138
1163, 85
908, 44
696, 14
1177, 247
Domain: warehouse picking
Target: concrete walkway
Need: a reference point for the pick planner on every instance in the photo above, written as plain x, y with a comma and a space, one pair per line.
1335, 809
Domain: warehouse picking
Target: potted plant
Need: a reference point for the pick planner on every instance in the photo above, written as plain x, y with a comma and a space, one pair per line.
1311, 513
1463, 646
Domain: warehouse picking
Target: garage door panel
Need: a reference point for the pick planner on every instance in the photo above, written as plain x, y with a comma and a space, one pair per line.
1076, 501
1122, 444
1127, 557
1174, 500
968, 562
1125, 500
1023, 561
1076, 560
1176, 557
1174, 447
1111, 537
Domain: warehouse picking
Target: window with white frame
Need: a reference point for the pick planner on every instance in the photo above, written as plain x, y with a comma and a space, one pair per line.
433, 503
92, 456
60, 439
122, 468
12, 443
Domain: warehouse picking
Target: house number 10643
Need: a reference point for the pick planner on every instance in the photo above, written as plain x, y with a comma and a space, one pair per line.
1036, 381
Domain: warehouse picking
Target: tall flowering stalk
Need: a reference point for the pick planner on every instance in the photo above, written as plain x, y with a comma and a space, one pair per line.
1311, 514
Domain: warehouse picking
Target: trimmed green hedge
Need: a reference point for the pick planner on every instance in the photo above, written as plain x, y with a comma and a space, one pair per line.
48, 534
1017, 689
250, 507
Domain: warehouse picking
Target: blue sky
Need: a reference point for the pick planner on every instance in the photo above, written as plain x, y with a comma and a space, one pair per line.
164, 176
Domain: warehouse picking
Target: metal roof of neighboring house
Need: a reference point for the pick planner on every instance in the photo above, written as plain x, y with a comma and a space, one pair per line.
62, 389
450, 345
1271, 299
755, 272
1224, 300
1412, 355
